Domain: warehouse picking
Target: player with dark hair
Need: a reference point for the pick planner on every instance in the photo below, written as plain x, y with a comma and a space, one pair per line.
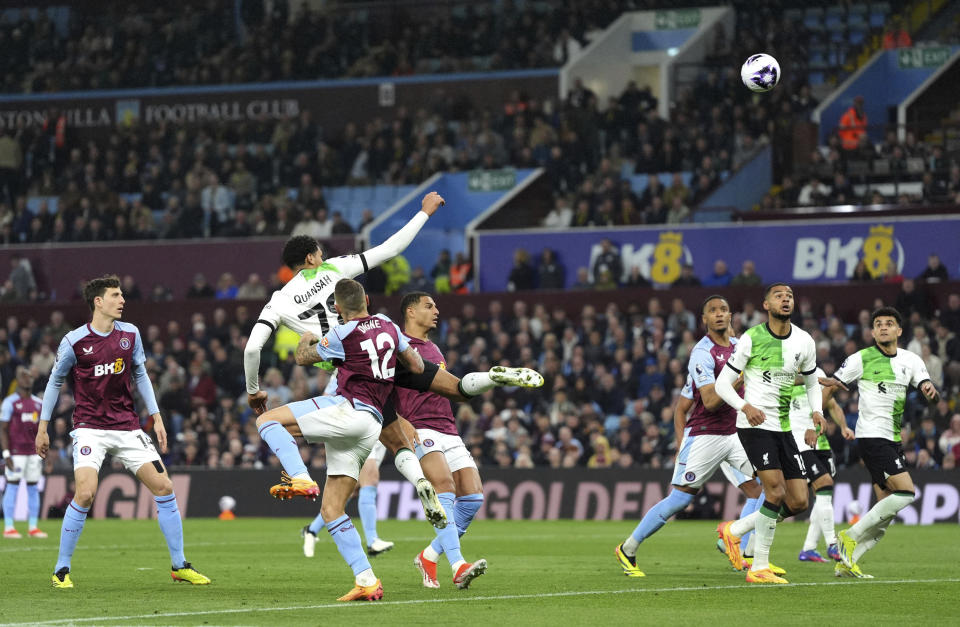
883, 373
103, 356
445, 459
306, 304
19, 414
769, 356
366, 350
709, 437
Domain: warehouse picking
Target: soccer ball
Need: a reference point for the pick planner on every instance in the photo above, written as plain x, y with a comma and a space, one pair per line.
760, 72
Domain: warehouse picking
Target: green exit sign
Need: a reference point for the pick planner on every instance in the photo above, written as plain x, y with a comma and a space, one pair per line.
678, 18
491, 180
933, 56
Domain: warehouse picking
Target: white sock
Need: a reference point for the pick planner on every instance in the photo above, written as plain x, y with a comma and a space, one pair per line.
870, 540
813, 531
630, 546
366, 578
430, 554
882, 512
823, 510
745, 524
408, 465
751, 545
456, 565
765, 529
302, 475
476, 383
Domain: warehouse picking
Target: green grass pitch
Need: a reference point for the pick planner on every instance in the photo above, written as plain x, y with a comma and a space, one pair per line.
541, 573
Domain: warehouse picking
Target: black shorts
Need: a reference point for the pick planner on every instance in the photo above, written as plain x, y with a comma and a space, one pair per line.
403, 378
883, 458
771, 450
818, 463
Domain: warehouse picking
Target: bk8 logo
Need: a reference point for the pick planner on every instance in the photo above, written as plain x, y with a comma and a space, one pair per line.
114, 367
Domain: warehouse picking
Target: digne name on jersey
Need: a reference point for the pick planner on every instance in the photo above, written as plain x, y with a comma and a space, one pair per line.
363, 327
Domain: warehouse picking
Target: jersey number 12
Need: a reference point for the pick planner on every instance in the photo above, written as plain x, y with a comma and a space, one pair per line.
380, 371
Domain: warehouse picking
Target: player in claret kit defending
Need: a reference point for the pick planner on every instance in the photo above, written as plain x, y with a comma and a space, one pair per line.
883, 373
366, 350
443, 455
306, 304
103, 356
19, 415
709, 437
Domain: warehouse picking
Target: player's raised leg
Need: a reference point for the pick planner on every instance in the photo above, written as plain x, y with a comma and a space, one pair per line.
398, 436
277, 428
367, 501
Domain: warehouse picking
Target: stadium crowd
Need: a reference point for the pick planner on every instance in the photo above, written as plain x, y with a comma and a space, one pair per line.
612, 378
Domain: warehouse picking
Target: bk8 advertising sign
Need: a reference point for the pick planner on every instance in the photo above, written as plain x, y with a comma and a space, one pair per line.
799, 252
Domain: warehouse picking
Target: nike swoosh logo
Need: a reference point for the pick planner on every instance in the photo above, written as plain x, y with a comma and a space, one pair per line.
764, 358
876, 372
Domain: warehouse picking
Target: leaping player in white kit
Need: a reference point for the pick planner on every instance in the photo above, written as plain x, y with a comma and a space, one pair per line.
306, 304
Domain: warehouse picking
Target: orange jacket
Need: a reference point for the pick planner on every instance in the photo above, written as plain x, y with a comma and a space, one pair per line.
459, 275
852, 128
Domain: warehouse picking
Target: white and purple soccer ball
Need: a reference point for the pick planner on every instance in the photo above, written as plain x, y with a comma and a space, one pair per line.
760, 72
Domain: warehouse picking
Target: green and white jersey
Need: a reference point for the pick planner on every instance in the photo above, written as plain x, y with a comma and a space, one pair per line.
883, 383
801, 417
769, 365
305, 303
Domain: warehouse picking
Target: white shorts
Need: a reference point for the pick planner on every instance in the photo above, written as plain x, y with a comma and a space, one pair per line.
347, 433
801, 444
377, 454
701, 455
452, 447
29, 467
132, 448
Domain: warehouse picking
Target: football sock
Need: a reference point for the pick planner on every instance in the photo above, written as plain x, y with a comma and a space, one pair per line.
883, 511
430, 553
366, 578
751, 545
655, 518
408, 465
475, 383
448, 537
813, 531
285, 448
367, 504
9, 502
766, 527
70, 531
347, 539
33, 505
741, 526
749, 507
465, 508
870, 539
168, 515
823, 509
316, 525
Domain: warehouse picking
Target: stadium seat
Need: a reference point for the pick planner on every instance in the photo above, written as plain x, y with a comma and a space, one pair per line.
813, 18
835, 19
915, 165
815, 78
881, 167
856, 37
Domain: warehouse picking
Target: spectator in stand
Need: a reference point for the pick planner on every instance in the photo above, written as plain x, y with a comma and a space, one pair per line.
442, 267
226, 287
552, 273
721, 276
687, 278
911, 299
252, 289
934, 272
522, 275
583, 280
21, 279
748, 276
608, 259
853, 125
461, 274
679, 211
950, 439
950, 316
813, 193
560, 215
895, 35
861, 274
200, 288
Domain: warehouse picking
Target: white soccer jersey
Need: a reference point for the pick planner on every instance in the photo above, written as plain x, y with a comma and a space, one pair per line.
801, 417
769, 365
883, 383
305, 303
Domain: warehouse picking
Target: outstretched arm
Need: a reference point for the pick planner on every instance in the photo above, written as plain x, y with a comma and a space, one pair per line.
256, 398
399, 241
411, 359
